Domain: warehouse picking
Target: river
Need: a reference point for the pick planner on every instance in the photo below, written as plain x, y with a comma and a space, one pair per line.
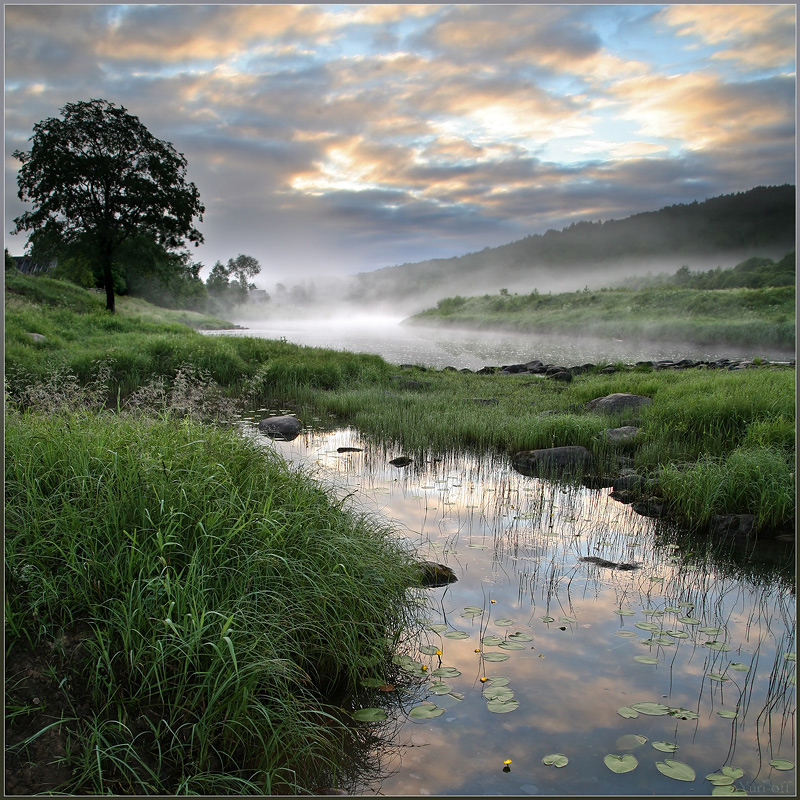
441, 347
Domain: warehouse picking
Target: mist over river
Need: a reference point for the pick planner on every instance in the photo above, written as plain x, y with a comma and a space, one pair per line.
471, 349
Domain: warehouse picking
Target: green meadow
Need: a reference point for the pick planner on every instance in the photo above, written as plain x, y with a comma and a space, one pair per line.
195, 605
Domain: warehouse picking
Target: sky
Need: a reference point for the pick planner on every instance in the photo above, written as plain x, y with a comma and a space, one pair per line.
337, 139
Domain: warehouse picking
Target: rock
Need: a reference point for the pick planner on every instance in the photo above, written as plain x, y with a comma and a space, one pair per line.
626, 496
285, 428
650, 507
597, 481
433, 574
37, 337
564, 375
621, 436
619, 401
409, 383
401, 461
632, 482
602, 562
552, 461
348, 449
733, 526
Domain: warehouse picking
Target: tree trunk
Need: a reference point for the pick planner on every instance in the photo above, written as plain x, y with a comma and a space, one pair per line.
107, 255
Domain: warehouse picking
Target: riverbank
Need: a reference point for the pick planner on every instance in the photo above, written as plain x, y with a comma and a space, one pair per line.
761, 317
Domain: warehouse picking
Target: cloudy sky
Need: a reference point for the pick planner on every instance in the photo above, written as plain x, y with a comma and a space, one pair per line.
343, 138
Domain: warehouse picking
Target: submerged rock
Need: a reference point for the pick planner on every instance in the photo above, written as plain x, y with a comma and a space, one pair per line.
552, 461
733, 526
285, 428
433, 574
401, 461
602, 562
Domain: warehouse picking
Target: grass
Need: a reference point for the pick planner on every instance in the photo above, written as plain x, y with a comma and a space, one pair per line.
219, 594
764, 316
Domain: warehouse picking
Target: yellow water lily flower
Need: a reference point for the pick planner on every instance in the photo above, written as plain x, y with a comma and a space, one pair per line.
507, 761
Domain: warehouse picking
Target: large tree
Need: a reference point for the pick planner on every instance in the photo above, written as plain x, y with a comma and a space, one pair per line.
97, 177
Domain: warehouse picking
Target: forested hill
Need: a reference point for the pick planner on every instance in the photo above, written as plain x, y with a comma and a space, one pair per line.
720, 231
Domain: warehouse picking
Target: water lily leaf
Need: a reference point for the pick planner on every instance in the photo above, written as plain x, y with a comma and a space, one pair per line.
687, 606
439, 627
673, 609
627, 712
630, 741
479, 546
521, 636
647, 626
623, 612
495, 656
425, 711
498, 680
710, 631
369, 715
690, 620
653, 612
728, 791
474, 608
620, 764
676, 770
509, 645
504, 623
568, 620
739, 667
556, 760
373, 683
491, 640
678, 634
500, 706
645, 659
626, 634
728, 714
726, 776
446, 672
457, 635
683, 713
498, 693
781, 764
721, 646
790, 656
547, 619
651, 709
428, 649
439, 687
457, 695
665, 747
472, 614
663, 641
715, 676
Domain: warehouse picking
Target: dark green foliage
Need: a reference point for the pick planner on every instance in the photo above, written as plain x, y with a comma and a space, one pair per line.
98, 180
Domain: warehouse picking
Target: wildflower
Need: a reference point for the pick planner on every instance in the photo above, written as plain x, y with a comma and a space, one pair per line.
424, 667
507, 761
493, 601
438, 652
507, 765
477, 649
484, 679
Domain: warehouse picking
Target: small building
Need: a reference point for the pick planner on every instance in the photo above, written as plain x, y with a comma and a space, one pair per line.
28, 266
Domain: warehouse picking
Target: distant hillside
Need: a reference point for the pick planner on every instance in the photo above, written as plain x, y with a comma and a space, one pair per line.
721, 231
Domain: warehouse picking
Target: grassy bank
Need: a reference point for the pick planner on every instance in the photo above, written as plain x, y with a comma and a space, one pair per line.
764, 316
186, 597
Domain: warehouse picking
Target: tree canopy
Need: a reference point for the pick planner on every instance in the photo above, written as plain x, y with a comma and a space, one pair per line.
98, 179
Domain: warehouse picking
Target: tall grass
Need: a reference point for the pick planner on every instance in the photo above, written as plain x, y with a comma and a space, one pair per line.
219, 594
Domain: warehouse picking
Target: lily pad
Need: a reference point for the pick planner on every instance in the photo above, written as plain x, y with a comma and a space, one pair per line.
645, 659
683, 713
651, 709
620, 764
648, 626
716, 676
472, 614
665, 747
568, 620
710, 631
630, 741
626, 634
781, 764
504, 623
373, 683
624, 612
369, 715
500, 706
425, 711
492, 640
428, 649
653, 612
790, 656
498, 693
509, 645
739, 667
446, 672
687, 606
439, 627
725, 714
676, 770
726, 776
556, 760
521, 636
663, 641
728, 791
721, 646
689, 620
457, 635
678, 634
627, 712
547, 619
439, 687
495, 656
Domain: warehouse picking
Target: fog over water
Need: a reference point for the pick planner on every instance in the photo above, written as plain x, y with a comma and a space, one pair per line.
441, 347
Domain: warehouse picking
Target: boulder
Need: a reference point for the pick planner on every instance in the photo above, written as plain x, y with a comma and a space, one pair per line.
552, 461
37, 337
433, 574
619, 401
400, 461
284, 428
738, 527
621, 436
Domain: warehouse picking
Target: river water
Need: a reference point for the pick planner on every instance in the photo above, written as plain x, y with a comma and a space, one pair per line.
680, 668
441, 347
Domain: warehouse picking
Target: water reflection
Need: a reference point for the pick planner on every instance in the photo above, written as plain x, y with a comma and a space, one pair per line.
686, 629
